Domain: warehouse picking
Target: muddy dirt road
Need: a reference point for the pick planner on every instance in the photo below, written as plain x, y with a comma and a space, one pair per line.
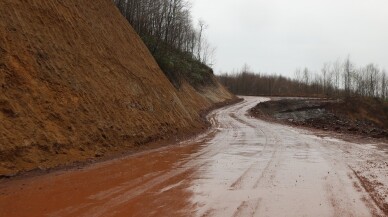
241, 167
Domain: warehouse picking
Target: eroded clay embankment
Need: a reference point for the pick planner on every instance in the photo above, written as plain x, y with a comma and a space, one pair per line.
77, 82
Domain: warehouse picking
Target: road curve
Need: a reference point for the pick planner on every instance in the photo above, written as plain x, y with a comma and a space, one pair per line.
241, 167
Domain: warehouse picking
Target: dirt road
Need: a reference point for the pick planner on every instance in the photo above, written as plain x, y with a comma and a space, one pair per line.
241, 167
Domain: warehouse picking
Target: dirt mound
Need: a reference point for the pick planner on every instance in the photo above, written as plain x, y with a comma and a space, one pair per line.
77, 82
368, 117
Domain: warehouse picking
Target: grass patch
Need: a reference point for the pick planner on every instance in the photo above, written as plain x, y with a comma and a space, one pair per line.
178, 65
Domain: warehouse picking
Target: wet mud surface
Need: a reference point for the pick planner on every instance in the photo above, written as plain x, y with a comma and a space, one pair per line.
241, 167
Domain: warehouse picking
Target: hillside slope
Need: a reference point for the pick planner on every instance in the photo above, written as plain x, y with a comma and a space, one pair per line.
77, 82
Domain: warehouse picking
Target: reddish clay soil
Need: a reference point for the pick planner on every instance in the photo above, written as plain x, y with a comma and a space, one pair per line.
77, 82
241, 167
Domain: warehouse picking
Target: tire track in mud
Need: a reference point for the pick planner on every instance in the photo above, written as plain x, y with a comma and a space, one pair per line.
267, 173
234, 136
244, 177
366, 195
368, 187
248, 208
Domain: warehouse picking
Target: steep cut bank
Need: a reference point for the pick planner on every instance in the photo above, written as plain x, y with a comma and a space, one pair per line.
77, 82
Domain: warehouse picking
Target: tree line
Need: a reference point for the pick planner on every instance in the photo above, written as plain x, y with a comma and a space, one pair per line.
167, 22
336, 79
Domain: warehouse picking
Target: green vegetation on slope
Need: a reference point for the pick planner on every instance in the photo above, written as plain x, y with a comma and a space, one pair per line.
178, 65
167, 29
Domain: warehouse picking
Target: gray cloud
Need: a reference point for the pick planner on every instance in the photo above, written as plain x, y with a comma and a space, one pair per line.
281, 35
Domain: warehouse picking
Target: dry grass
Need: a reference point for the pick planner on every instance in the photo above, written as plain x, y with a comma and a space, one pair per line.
370, 109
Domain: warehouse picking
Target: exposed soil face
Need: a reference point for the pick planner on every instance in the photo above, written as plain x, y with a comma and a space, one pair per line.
76, 82
367, 117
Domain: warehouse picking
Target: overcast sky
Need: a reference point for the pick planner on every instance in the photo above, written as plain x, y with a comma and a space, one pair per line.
281, 35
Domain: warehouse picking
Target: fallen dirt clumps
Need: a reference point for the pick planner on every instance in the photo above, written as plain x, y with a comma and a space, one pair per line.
367, 117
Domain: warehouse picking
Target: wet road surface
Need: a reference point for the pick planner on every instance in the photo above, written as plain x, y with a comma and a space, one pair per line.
240, 167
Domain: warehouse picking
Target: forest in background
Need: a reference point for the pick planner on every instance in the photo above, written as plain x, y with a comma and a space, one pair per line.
176, 42
336, 79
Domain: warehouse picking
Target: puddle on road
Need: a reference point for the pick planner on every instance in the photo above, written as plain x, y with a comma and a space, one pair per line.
130, 187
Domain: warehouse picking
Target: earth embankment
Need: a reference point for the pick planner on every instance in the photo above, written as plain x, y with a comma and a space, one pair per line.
77, 82
354, 116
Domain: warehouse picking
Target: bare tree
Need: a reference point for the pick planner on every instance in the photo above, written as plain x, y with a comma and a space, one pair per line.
384, 86
327, 78
306, 76
166, 22
337, 68
347, 73
363, 81
202, 26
